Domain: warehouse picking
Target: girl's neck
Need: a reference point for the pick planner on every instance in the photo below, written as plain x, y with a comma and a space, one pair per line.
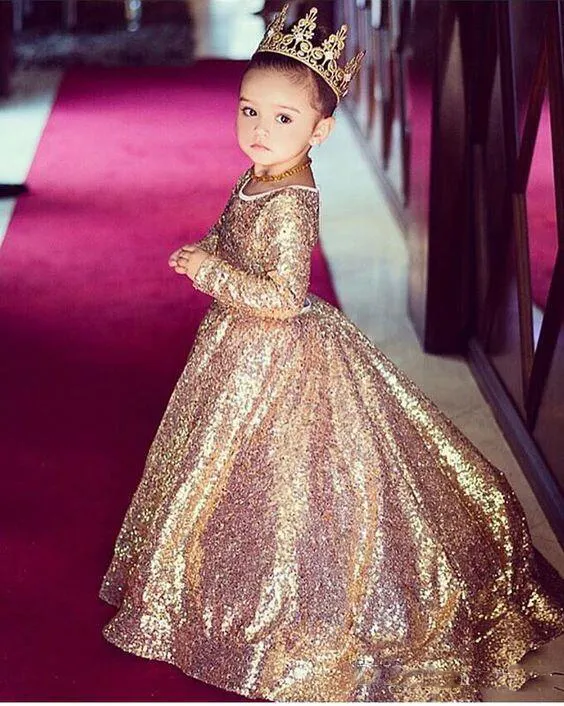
276, 169
302, 178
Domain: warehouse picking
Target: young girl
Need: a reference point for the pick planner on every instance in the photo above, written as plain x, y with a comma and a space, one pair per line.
309, 525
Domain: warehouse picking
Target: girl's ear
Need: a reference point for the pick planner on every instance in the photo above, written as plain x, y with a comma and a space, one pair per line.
322, 130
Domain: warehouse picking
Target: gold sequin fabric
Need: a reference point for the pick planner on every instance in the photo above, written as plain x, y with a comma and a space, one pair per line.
309, 526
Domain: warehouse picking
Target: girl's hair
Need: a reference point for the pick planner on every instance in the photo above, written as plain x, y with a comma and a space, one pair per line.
323, 99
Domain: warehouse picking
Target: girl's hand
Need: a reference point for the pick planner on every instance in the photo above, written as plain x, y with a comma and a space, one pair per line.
187, 260
173, 259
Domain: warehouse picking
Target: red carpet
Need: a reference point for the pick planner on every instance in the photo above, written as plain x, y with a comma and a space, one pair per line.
96, 329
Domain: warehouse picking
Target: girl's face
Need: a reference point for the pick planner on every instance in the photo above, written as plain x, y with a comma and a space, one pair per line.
276, 123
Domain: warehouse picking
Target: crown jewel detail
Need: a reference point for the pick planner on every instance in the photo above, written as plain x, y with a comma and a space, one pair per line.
321, 59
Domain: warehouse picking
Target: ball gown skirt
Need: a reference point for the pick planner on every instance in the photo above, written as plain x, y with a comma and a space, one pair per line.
309, 526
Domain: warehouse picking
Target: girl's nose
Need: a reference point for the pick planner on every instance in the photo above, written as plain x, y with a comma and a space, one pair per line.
261, 130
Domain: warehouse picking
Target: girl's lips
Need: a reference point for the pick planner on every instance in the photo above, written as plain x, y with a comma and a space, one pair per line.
254, 146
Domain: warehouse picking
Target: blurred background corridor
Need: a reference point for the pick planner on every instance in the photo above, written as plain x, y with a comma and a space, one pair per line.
442, 214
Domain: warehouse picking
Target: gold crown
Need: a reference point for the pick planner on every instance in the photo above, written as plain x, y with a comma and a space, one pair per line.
321, 59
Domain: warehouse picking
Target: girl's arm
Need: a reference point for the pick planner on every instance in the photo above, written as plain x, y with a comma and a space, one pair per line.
279, 293
209, 241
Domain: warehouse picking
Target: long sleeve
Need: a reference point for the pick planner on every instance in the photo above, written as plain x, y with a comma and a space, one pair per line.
210, 240
290, 228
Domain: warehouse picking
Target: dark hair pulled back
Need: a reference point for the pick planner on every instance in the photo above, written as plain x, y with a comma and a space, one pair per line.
323, 99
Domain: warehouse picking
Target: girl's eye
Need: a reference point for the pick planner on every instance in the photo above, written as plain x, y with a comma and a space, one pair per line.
284, 119
248, 111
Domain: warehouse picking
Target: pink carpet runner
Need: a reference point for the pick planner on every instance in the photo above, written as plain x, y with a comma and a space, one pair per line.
95, 330
541, 213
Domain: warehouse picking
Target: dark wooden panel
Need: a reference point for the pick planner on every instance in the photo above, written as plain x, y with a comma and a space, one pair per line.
547, 380
363, 102
524, 379
411, 96
421, 86
449, 255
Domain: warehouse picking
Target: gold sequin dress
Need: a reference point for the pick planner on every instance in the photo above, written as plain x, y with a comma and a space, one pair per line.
309, 525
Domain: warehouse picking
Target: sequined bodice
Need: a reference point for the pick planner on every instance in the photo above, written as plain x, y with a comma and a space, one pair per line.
246, 237
260, 251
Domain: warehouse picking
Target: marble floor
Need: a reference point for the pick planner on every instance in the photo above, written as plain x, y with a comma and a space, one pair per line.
368, 262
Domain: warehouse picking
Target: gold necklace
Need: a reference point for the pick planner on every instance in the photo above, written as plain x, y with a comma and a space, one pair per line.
283, 175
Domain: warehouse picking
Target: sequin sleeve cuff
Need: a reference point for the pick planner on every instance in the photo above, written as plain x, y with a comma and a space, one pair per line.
209, 241
264, 295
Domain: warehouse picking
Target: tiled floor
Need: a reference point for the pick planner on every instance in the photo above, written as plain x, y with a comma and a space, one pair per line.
22, 119
368, 261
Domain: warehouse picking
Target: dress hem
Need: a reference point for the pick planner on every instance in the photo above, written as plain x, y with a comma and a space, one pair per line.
149, 653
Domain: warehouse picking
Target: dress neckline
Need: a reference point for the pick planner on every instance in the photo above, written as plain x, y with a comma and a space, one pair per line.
251, 197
